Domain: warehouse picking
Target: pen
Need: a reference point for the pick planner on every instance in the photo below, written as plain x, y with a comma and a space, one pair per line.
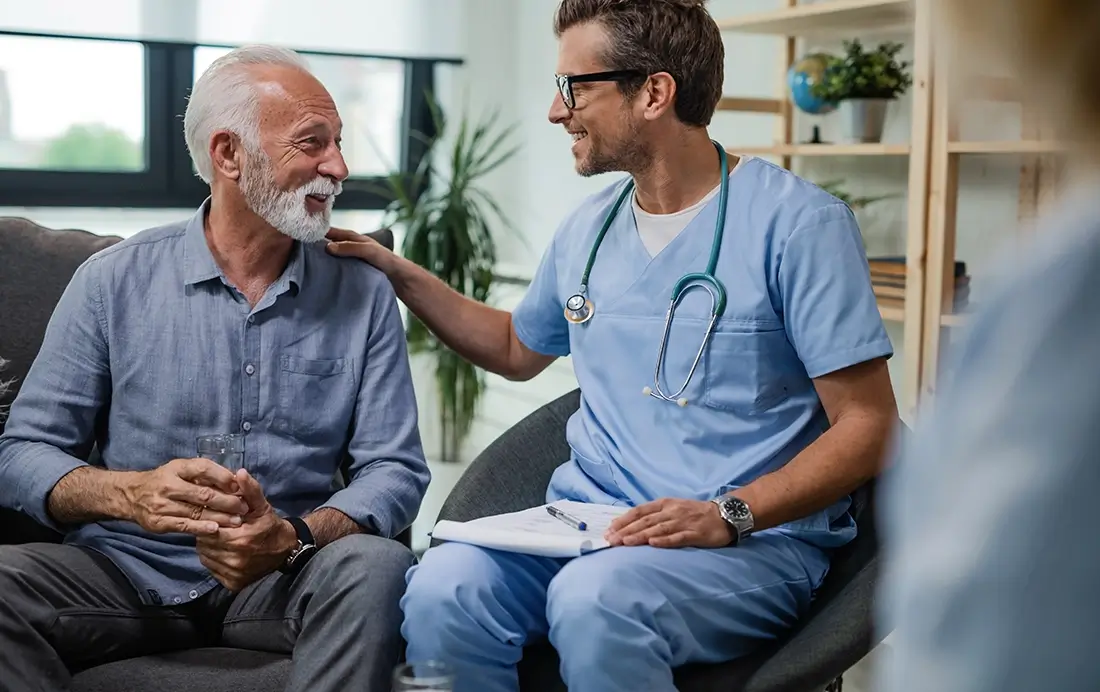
572, 521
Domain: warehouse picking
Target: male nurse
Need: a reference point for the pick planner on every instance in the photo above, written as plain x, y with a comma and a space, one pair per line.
739, 484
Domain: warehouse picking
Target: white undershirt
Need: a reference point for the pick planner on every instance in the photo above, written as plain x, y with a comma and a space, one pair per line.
658, 230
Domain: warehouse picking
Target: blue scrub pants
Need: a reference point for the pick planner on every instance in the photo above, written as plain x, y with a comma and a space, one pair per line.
620, 619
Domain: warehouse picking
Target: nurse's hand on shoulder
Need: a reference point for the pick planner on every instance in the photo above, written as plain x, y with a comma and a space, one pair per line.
671, 523
344, 243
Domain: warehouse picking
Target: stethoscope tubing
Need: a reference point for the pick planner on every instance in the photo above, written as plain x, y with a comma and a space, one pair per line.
579, 308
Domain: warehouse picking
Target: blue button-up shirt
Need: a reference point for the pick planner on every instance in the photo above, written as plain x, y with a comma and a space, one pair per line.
150, 346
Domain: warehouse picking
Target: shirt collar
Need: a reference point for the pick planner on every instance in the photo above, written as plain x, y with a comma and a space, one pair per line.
199, 264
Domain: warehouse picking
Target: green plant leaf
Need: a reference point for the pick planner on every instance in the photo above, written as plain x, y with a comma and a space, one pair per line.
862, 74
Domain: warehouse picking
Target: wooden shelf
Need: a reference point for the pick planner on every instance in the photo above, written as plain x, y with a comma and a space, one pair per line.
891, 313
834, 16
824, 150
1007, 147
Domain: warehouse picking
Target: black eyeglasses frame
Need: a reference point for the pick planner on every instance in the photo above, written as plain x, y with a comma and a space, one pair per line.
565, 82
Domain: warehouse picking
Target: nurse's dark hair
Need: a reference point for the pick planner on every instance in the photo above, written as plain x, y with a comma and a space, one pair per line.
674, 36
1051, 45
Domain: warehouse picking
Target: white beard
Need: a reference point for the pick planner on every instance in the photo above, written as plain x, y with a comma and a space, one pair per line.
286, 211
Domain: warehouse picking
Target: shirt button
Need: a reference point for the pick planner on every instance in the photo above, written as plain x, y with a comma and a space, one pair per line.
249, 369
252, 319
246, 426
193, 594
177, 599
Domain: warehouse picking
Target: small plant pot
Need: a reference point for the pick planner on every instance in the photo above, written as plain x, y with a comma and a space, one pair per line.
863, 120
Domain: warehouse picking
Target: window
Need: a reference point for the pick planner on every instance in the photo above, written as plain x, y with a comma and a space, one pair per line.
70, 104
90, 122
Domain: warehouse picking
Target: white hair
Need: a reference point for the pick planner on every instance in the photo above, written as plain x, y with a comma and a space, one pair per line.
225, 98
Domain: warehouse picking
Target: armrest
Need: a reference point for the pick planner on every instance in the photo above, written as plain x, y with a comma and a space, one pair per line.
834, 638
512, 473
383, 237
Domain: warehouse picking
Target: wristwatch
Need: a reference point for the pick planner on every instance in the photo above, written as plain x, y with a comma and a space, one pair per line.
302, 552
738, 516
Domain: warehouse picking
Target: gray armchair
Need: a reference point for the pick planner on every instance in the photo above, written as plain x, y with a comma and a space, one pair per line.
37, 264
512, 474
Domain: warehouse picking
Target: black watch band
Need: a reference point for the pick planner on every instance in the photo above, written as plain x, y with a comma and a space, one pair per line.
305, 549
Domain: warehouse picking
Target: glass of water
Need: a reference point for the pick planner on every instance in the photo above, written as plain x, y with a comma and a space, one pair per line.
421, 677
227, 449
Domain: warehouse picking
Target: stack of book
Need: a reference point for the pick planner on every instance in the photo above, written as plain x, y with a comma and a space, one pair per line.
888, 281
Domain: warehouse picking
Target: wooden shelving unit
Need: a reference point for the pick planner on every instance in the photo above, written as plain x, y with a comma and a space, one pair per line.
850, 18
1039, 155
933, 307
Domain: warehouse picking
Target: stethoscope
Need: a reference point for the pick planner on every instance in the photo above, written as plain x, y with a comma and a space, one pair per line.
579, 308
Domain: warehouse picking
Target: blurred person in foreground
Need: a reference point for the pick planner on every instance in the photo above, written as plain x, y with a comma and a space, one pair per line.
234, 320
992, 555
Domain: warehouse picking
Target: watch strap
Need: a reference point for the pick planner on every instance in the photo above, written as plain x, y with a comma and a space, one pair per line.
303, 551
305, 536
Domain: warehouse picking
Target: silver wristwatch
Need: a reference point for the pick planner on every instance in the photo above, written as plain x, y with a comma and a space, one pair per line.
737, 515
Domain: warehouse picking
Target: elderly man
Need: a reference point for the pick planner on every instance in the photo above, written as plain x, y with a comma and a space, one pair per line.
232, 321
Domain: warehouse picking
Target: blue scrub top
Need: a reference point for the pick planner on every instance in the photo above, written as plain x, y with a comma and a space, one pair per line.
800, 305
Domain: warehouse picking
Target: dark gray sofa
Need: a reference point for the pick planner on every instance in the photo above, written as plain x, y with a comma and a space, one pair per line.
36, 264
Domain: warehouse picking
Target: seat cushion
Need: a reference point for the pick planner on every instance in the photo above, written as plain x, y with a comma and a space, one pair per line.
197, 670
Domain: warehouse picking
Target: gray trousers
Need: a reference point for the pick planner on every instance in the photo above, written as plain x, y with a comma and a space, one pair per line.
64, 608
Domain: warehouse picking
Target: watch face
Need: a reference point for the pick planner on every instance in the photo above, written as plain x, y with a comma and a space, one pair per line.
737, 508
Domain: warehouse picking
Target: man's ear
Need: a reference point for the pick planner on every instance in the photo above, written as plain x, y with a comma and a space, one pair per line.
226, 154
658, 94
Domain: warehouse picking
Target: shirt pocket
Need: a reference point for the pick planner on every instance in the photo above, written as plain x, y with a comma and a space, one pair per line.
316, 396
745, 371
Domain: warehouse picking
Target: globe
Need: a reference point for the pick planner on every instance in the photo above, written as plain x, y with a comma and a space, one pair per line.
802, 76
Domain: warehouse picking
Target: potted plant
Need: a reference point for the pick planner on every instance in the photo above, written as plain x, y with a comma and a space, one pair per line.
862, 84
449, 223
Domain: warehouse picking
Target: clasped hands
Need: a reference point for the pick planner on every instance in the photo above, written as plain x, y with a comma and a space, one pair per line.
239, 537
671, 523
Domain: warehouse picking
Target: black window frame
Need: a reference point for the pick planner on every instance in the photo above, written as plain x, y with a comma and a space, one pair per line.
169, 181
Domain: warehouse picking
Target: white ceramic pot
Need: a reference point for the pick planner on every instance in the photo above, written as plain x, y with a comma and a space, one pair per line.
863, 119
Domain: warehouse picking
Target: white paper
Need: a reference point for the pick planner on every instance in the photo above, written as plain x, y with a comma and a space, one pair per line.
535, 531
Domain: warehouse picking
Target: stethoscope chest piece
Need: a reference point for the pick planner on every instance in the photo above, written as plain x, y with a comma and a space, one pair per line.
578, 309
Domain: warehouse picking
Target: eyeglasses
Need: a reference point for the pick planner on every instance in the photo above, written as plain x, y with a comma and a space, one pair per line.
566, 81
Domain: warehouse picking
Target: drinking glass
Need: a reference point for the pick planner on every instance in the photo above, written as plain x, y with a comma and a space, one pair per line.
423, 676
226, 449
